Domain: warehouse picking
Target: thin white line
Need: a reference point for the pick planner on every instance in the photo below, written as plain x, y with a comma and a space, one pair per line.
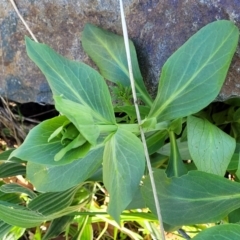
25, 24
125, 35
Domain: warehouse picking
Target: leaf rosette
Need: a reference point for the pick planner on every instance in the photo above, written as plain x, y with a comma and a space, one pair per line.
70, 139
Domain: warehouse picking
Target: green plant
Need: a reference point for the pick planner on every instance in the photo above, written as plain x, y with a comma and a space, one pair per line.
67, 155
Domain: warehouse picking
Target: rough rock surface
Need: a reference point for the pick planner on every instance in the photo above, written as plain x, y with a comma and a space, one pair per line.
157, 27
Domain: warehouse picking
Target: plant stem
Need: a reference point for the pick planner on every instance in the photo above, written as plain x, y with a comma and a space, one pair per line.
134, 128
113, 223
103, 231
107, 128
125, 35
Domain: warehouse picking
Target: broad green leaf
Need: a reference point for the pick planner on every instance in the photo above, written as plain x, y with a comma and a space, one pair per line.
15, 233
9, 169
20, 216
123, 168
193, 76
57, 226
23, 217
211, 148
48, 178
52, 202
76, 81
10, 197
195, 198
80, 116
37, 149
5, 156
221, 232
108, 52
4, 229
137, 201
176, 167
234, 216
16, 188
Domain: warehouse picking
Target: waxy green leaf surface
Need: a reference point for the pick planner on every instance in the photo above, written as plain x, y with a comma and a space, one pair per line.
4, 229
23, 217
16, 188
108, 51
15, 233
19, 215
9, 169
46, 207
123, 168
80, 116
197, 197
37, 149
193, 76
234, 216
211, 148
221, 232
57, 227
46, 178
74, 81
50, 203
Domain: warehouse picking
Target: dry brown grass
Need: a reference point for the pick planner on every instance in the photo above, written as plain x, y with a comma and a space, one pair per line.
12, 129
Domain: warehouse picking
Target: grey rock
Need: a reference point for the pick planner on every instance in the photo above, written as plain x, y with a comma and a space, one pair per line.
157, 27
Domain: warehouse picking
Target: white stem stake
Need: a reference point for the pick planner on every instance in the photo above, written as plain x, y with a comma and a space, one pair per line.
25, 24
125, 35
